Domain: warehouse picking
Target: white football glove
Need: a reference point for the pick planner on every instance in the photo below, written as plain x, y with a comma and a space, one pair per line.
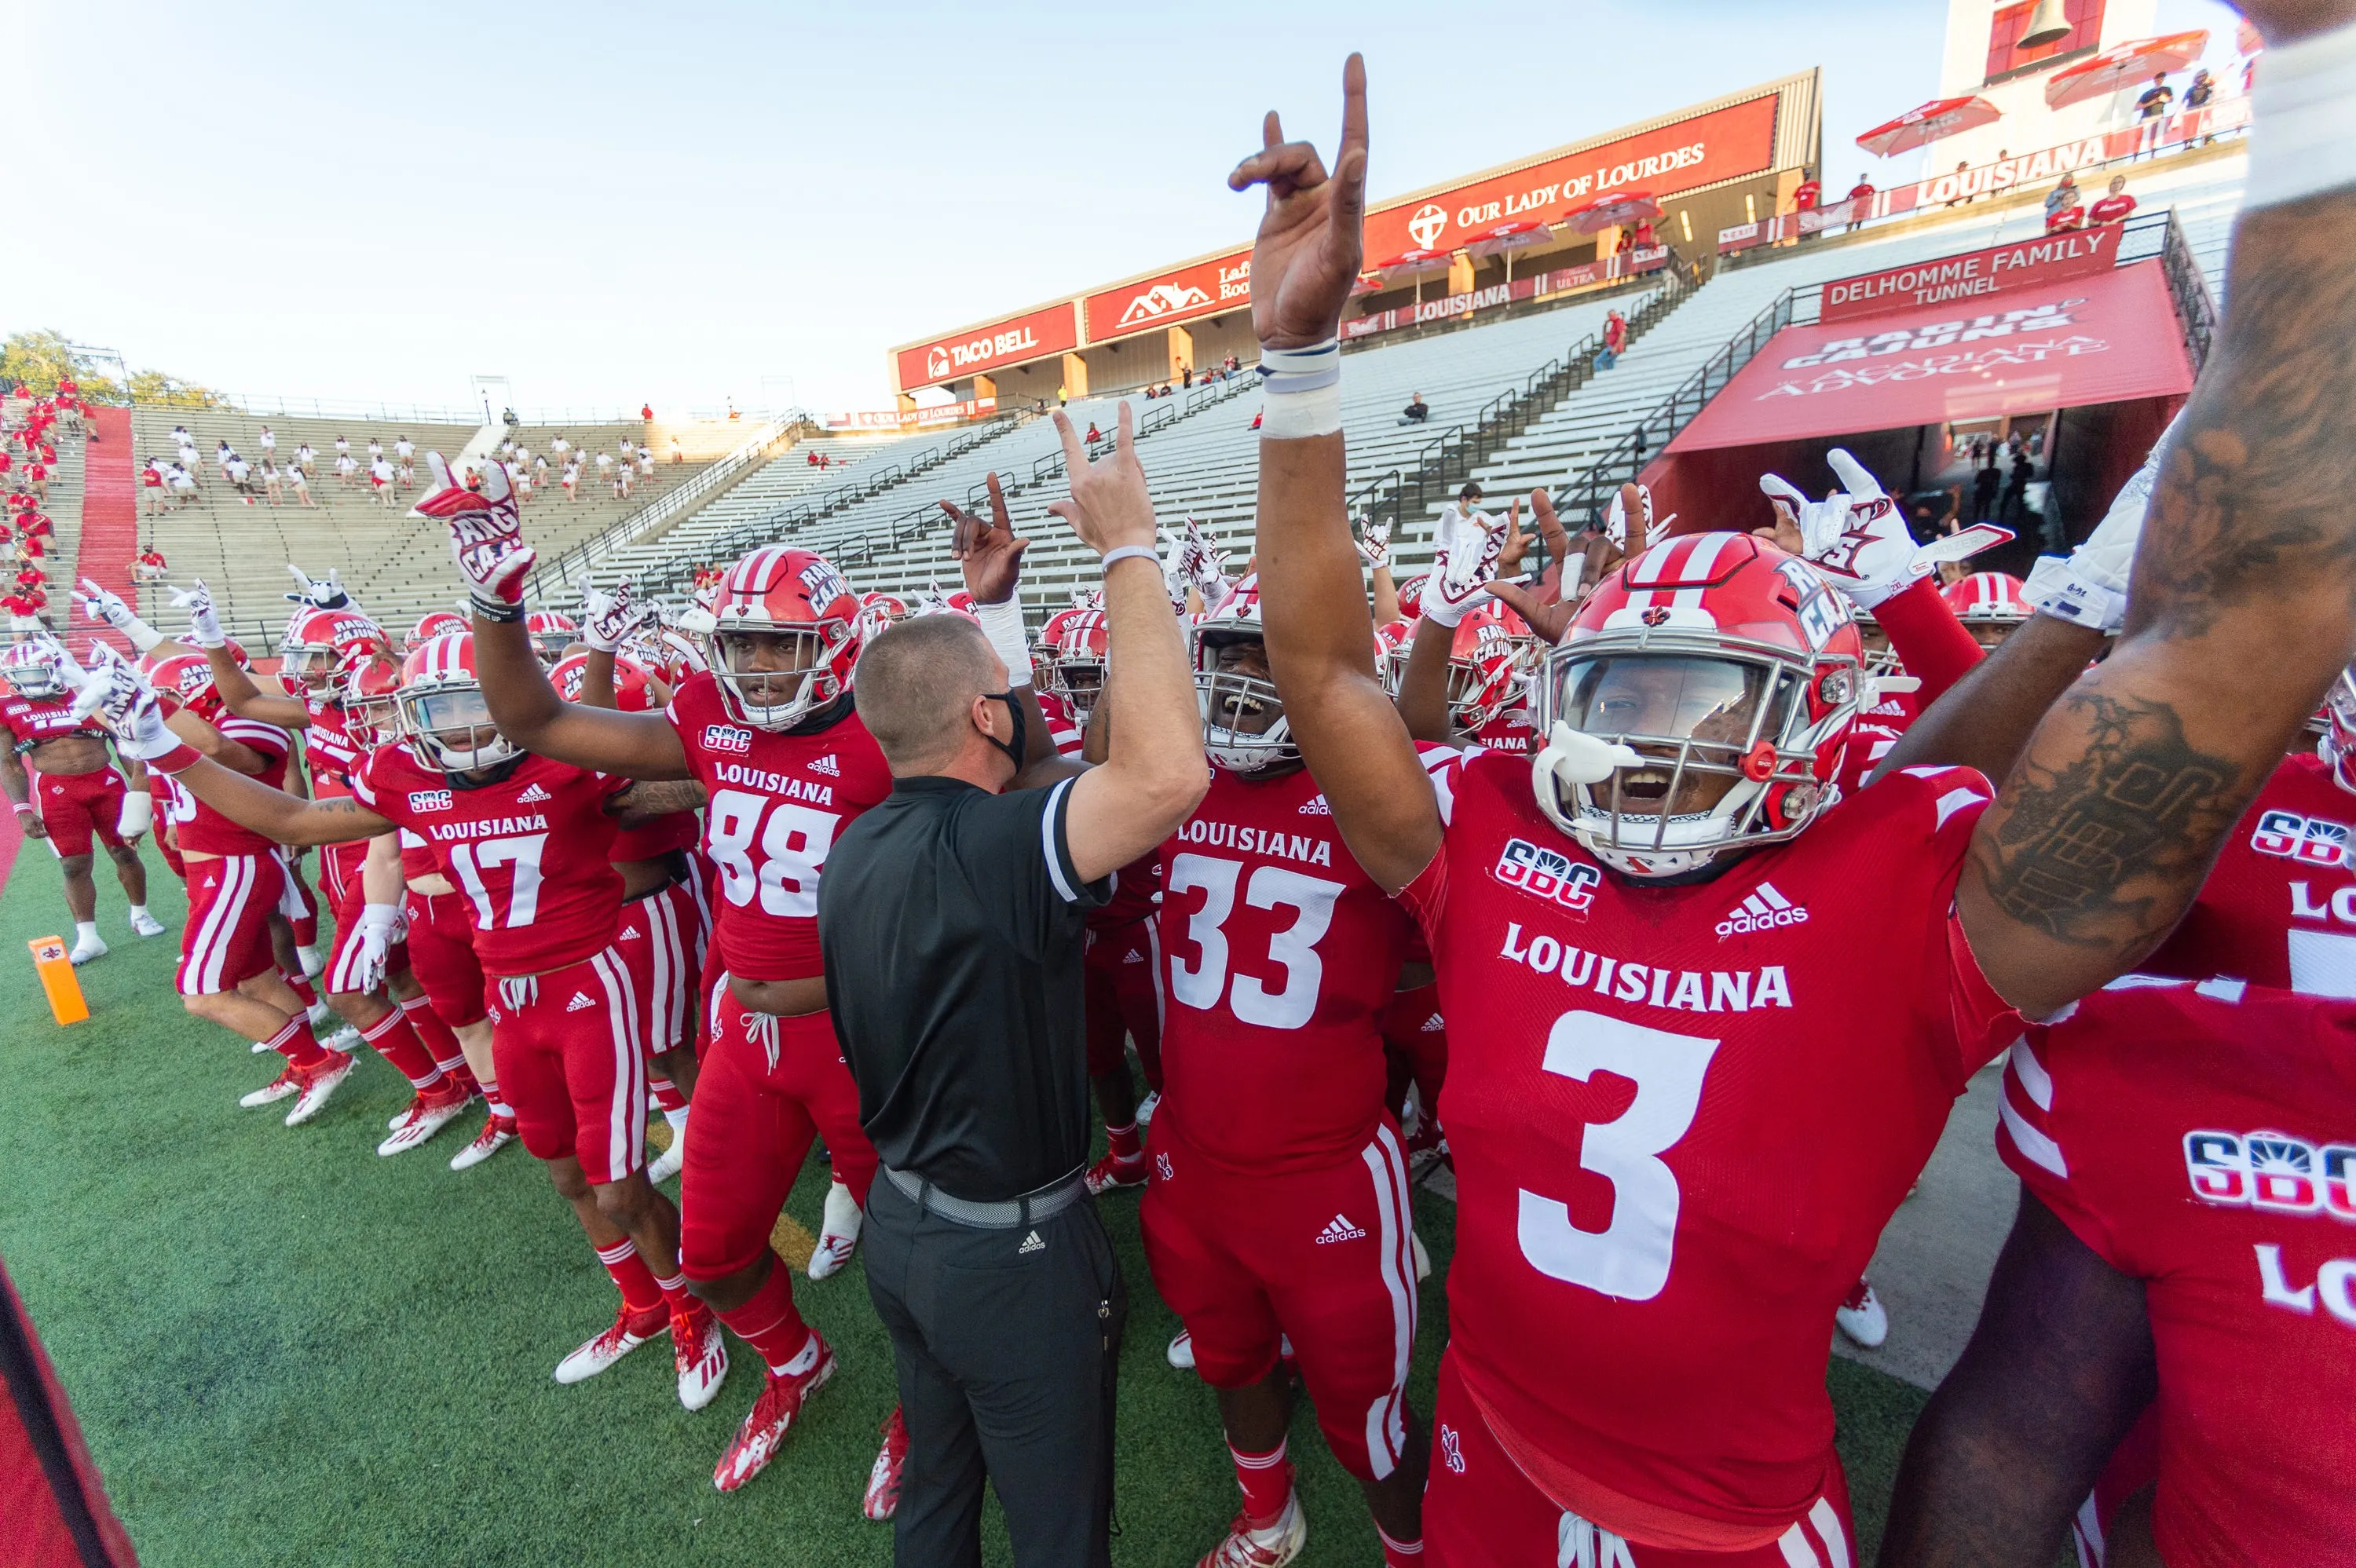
1210, 577
1616, 520
1374, 545
607, 620
1463, 559
105, 605
381, 925
486, 536
138, 817
2090, 585
204, 621
124, 702
1855, 535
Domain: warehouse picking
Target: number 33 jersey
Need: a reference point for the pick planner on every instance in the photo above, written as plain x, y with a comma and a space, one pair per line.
778, 802
527, 852
1680, 1118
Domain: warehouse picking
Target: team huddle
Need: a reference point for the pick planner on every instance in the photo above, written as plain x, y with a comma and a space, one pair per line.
1668, 887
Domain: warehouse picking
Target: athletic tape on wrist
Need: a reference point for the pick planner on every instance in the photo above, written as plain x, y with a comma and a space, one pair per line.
1002, 624
2303, 120
1132, 553
1302, 391
178, 760
494, 610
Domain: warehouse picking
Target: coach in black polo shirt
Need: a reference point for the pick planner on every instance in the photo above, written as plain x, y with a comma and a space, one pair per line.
951, 917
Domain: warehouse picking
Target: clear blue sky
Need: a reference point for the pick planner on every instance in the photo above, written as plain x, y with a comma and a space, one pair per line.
615, 202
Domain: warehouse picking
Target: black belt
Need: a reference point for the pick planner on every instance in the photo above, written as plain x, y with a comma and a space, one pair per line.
1042, 1204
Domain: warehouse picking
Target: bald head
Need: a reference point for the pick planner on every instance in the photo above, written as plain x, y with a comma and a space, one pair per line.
915, 685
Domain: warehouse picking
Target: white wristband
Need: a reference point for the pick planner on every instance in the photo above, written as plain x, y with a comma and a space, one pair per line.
1301, 391
2303, 120
1002, 624
1128, 552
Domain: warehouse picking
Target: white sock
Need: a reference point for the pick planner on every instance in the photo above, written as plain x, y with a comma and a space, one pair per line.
139, 911
804, 1360
311, 962
678, 1120
86, 931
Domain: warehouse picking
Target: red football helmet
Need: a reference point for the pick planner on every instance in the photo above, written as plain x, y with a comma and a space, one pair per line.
318, 642
1488, 666
955, 603
438, 623
1700, 701
443, 715
2337, 744
1244, 727
637, 688
1393, 640
368, 684
781, 637
1410, 596
878, 611
1072, 649
34, 666
1990, 602
551, 634
180, 670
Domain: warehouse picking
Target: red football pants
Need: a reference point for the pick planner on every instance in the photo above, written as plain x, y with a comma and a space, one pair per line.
658, 939
441, 954
1415, 1047
342, 973
1119, 977
1323, 1255
226, 938
768, 1085
77, 808
572, 1065
1481, 1511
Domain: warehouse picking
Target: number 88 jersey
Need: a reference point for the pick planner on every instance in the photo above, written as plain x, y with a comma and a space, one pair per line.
1279, 954
778, 801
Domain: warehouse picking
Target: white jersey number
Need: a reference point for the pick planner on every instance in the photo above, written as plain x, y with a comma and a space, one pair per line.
793, 844
471, 860
1629, 1258
1293, 949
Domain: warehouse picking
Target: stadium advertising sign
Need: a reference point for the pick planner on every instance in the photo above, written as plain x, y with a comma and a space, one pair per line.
2033, 264
1207, 287
1585, 276
901, 419
1722, 144
1054, 330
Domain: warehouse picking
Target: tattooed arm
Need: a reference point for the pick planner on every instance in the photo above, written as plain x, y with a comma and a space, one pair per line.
647, 800
2244, 610
275, 814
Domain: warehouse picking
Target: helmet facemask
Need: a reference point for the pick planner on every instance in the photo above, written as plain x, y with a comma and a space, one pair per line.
1723, 739
1244, 727
2337, 744
1079, 681
449, 726
34, 672
774, 679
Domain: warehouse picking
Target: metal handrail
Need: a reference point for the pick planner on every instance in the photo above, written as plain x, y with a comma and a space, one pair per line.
547, 576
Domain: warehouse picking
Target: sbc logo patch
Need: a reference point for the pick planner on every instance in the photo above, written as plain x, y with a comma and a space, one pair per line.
727, 737
429, 800
2273, 1172
2311, 840
1546, 874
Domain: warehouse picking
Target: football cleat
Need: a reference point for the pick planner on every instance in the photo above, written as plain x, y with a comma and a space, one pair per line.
1270, 1545
1861, 1317
145, 925
497, 1133
86, 948
601, 1351
346, 1040
428, 1113
1426, 1150
838, 1234
287, 1082
1146, 1107
668, 1163
1422, 1258
773, 1414
1182, 1351
1113, 1174
882, 1498
701, 1352
318, 1084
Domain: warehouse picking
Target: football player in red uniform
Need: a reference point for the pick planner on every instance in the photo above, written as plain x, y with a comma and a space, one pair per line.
527, 839
1643, 1269
75, 797
770, 733
2187, 1231
1990, 605
388, 1008
1278, 1203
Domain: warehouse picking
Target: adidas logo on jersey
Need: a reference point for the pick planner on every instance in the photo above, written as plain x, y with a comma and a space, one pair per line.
1031, 1243
827, 766
1435, 1024
1764, 910
630, 934
1338, 1229
1317, 808
1134, 955
530, 794
580, 1002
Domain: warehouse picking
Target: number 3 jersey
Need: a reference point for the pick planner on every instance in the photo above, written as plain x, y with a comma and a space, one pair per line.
1680, 1117
528, 852
1279, 954
777, 802
2204, 1140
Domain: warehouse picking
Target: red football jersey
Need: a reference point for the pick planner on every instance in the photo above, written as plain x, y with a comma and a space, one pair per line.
197, 827
1279, 954
2279, 909
1876, 730
1509, 732
31, 720
2202, 1138
777, 803
530, 852
328, 749
1680, 1118
1062, 728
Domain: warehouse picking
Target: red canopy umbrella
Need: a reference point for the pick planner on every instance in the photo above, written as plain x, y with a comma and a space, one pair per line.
1918, 127
1611, 209
1511, 235
2125, 65
1408, 262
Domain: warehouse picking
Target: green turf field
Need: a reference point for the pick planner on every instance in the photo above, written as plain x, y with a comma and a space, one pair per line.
284, 1349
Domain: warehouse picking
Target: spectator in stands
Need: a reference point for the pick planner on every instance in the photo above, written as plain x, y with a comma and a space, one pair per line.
2062, 195
241, 476
1615, 340
220, 459
404, 449
343, 446
1416, 412
678, 456
183, 483
1187, 379
507, 417
2061, 219
605, 468
645, 462
539, 471
272, 490
380, 479
572, 481
1642, 238
622, 481
2197, 98
560, 446
2115, 207
1465, 509
151, 488
36, 477
1859, 198
2015, 488
307, 461
404, 473
1256, 419
1095, 434
345, 467
1985, 483
1961, 196
148, 566
646, 412
301, 481
1809, 192
2151, 110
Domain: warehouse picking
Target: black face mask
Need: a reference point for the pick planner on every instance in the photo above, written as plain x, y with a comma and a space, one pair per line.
1013, 748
